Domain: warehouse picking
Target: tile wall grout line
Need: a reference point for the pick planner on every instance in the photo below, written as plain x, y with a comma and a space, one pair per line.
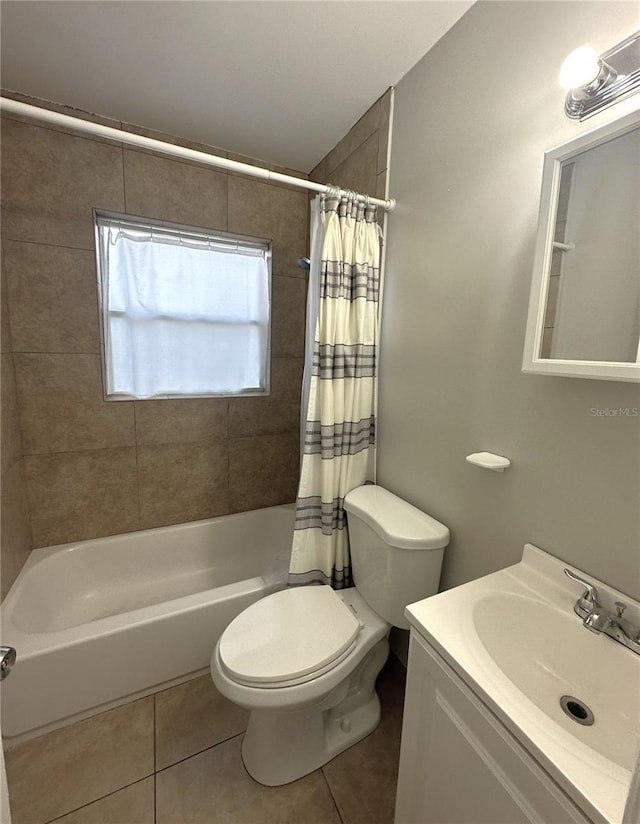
113, 141
228, 190
48, 352
79, 450
66, 131
92, 250
40, 243
228, 502
201, 165
28, 495
124, 179
215, 151
135, 439
353, 151
302, 278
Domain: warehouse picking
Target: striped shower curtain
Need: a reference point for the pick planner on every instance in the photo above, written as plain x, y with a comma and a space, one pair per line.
339, 435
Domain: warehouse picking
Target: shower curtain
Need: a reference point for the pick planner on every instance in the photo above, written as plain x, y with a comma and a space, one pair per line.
339, 433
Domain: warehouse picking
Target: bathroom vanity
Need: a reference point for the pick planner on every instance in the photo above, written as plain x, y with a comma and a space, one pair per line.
485, 739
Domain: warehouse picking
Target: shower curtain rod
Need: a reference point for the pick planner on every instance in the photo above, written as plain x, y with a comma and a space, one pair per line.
27, 110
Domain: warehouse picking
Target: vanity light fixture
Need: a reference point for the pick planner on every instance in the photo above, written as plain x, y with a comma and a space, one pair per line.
595, 82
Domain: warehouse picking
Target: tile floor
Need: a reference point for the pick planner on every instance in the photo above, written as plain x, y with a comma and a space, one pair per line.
174, 758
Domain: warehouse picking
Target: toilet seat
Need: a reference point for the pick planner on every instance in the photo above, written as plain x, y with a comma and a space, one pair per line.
288, 638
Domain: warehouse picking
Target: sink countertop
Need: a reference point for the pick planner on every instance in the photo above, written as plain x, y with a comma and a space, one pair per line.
513, 637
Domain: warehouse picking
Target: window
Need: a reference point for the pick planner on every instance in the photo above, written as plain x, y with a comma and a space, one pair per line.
184, 312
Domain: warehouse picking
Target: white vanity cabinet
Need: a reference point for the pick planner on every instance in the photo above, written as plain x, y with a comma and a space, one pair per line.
459, 764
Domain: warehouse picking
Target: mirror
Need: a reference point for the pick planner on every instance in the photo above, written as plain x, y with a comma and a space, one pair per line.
584, 311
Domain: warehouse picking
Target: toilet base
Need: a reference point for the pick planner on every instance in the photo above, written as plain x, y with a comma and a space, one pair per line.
280, 747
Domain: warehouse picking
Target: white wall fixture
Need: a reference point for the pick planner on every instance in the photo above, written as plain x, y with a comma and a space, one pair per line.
584, 306
487, 460
593, 82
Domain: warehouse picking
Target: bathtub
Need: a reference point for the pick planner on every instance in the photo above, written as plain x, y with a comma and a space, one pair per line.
98, 622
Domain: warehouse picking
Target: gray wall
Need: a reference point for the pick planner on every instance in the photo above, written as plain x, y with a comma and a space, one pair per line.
472, 121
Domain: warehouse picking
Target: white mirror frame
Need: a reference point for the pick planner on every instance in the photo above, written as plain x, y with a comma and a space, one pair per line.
553, 159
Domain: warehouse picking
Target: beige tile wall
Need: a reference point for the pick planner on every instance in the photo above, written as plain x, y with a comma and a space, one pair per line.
94, 468
359, 160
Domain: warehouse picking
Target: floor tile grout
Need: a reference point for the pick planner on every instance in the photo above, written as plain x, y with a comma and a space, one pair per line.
155, 745
333, 781
199, 752
333, 798
101, 798
153, 775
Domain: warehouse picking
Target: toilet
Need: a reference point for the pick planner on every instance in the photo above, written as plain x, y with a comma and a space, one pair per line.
305, 660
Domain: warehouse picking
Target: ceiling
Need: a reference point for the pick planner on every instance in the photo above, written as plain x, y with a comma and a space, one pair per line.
280, 81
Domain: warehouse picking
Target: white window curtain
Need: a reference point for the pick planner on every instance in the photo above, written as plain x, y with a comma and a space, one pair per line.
182, 314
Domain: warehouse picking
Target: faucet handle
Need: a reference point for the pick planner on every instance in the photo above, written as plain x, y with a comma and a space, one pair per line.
590, 599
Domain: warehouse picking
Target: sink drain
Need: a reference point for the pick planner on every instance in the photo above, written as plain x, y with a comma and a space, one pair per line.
576, 710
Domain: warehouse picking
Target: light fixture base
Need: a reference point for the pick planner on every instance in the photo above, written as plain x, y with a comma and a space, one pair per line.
619, 77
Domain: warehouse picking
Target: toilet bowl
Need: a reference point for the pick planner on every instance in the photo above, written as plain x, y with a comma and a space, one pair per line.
304, 660
299, 723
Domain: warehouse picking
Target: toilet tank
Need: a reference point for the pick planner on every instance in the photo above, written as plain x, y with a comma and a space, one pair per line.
396, 551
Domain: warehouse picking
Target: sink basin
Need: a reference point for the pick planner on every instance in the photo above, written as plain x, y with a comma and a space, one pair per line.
514, 639
547, 653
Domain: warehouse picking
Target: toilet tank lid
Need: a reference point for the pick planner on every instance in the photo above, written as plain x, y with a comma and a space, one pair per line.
397, 522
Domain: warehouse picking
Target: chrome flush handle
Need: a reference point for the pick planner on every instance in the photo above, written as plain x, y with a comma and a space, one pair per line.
590, 598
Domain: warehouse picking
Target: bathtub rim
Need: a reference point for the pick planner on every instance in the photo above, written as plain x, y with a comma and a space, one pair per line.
33, 643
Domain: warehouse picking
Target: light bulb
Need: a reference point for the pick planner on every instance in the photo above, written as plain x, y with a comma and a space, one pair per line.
580, 68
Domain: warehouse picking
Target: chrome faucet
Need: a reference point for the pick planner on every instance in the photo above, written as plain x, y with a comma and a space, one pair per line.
598, 619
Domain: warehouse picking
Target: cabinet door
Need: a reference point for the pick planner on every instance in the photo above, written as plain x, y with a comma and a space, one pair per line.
459, 765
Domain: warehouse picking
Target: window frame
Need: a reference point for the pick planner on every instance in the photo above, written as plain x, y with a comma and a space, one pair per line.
198, 233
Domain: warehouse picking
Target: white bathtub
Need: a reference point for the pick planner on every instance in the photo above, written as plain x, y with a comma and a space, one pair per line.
98, 621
